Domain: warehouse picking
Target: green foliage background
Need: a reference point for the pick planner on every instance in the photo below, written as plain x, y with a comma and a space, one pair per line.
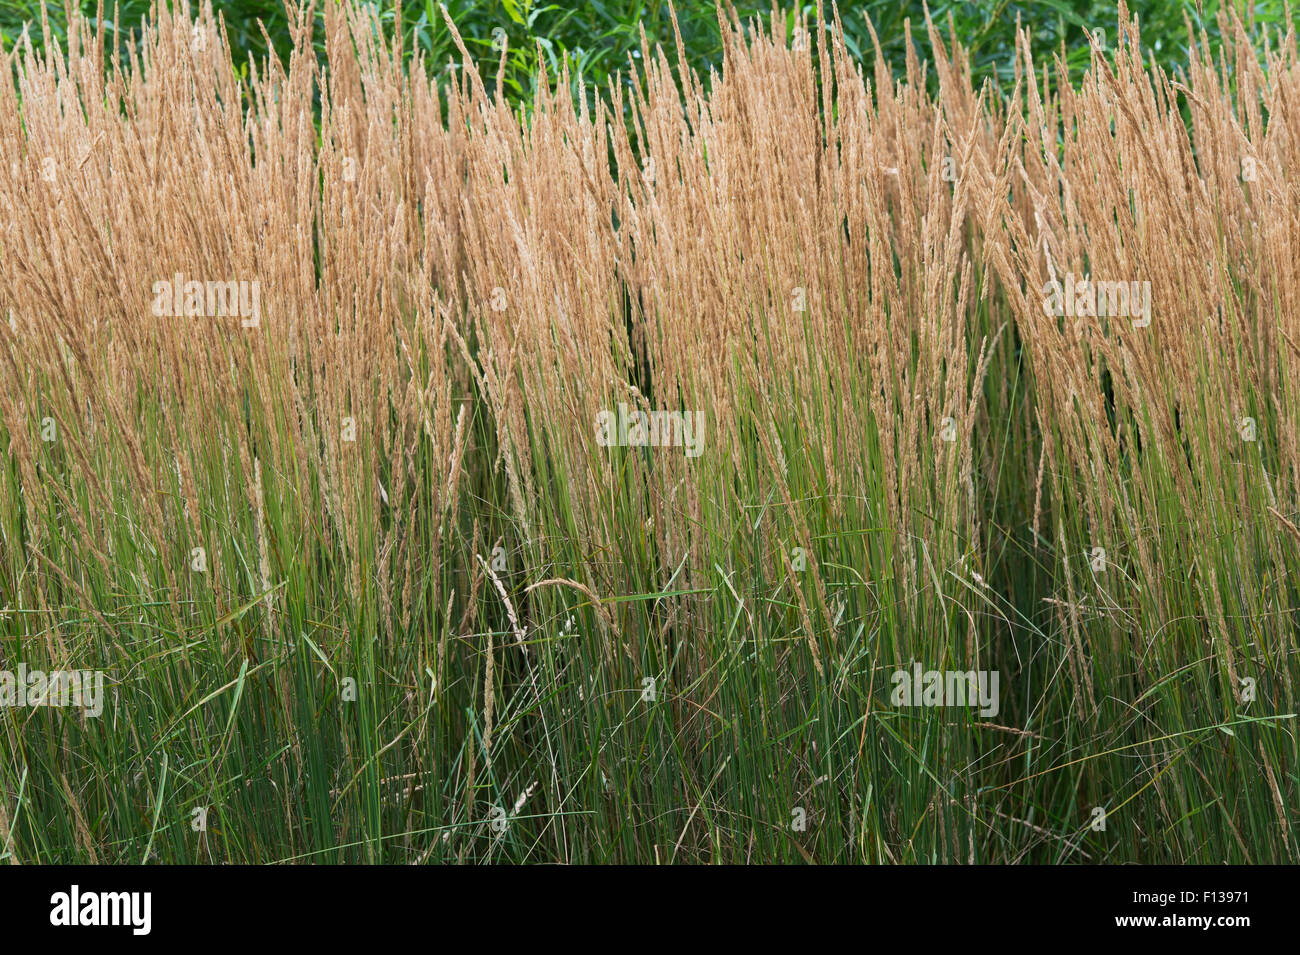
596, 39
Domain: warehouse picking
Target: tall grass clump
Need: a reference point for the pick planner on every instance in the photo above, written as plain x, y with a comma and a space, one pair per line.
1167, 461
385, 569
